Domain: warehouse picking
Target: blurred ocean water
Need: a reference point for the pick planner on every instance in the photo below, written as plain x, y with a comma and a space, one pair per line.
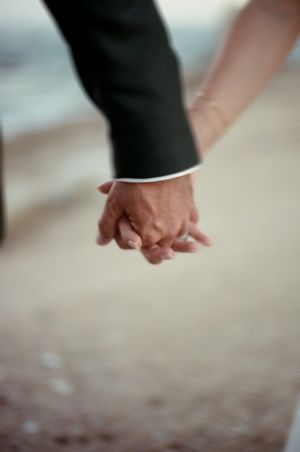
39, 89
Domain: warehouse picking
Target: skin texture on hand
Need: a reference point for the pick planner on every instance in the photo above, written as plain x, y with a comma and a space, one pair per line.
127, 238
158, 211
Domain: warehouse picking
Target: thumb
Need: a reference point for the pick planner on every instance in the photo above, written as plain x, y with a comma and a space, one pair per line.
108, 222
129, 235
105, 187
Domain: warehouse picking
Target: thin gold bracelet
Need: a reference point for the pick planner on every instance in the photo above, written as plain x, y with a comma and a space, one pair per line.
213, 104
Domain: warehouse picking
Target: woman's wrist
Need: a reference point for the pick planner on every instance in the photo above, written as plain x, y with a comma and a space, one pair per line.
206, 128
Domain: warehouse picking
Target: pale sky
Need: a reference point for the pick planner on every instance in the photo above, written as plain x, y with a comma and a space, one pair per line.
195, 11
175, 11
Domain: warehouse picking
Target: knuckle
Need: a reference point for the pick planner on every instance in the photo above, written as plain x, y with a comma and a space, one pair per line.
149, 239
158, 227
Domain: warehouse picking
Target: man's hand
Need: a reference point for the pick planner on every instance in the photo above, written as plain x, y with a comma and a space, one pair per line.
158, 212
127, 238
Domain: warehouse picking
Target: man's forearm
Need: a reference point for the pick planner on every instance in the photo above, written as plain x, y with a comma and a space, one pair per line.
124, 60
258, 41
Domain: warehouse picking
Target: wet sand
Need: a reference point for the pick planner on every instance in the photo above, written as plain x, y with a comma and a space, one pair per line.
99, 351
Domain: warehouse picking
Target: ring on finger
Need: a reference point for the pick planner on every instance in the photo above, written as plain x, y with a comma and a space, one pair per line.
185, 237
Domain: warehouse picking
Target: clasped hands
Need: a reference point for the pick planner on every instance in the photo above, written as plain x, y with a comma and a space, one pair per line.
155, 218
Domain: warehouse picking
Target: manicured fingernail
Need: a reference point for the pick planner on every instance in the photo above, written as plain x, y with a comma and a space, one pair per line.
133, 245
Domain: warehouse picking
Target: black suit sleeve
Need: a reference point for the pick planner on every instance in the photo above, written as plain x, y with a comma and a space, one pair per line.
123, 57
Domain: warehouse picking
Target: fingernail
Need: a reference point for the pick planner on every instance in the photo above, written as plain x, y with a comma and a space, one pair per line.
133, 245
101, 241
169, 255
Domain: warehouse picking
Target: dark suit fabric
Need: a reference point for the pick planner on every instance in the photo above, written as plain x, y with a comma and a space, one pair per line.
124, 60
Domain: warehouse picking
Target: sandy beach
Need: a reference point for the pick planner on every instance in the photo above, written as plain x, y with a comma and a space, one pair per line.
101, 352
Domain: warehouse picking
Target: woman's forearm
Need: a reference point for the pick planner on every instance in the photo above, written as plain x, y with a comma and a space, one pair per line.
258, 41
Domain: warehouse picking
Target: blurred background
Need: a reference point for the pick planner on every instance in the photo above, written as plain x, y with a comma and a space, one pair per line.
99, 351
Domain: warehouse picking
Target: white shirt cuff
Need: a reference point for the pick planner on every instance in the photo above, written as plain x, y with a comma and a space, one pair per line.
160, 178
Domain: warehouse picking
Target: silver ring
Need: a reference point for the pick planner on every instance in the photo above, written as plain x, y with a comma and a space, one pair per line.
185, 237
